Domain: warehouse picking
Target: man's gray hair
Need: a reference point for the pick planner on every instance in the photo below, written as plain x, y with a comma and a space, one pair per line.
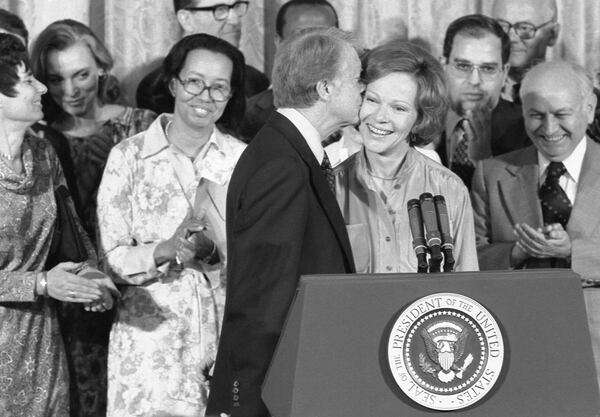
301, 62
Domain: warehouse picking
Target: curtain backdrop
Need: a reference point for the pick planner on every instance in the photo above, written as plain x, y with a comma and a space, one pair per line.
140, 32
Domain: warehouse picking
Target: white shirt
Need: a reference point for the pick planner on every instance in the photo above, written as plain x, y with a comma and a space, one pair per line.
307, 130
573, 163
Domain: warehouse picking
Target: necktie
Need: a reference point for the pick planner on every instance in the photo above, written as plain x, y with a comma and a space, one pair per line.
328, 172
556, 207
461, 164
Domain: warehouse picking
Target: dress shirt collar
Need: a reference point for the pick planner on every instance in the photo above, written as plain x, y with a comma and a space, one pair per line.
308, 131
214, 161
572, 163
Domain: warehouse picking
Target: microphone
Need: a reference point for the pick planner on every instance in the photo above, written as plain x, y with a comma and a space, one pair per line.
444, 224
416, 228
433, 236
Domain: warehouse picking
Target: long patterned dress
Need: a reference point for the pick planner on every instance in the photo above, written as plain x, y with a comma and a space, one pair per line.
86, 333
169, 318
33, 371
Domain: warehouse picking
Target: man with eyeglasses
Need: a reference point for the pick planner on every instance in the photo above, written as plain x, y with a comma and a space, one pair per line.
479, 124
532, 27
220, 18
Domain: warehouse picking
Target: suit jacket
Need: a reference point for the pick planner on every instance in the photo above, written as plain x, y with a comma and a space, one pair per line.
508, 131
283, 221
505, 192
152, 94
258, 109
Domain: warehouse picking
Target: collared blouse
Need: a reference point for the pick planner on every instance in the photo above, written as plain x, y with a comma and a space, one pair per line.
378, 225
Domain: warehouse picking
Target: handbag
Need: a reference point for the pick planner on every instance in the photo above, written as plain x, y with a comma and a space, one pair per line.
67, 243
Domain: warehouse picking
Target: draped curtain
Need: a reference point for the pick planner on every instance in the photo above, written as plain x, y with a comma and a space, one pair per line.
140, 32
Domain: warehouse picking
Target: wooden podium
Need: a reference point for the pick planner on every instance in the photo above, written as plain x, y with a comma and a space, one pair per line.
331, 360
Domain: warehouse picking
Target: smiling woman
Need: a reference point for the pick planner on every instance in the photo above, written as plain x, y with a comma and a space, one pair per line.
161, 210
404, 106
33, 368
74, 64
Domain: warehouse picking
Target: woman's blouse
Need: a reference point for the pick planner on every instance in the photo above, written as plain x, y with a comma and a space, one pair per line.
378, 225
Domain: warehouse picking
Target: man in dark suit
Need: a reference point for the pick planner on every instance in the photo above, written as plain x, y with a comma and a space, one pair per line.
282, 217
538, 207
293, 16
479, 123
220, 18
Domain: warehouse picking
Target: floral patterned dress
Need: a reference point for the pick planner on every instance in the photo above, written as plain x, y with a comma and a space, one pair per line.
86, 333
33, 370
169, 318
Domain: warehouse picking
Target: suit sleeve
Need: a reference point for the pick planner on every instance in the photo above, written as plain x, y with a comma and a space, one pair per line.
268, 230
492, 255
584, 256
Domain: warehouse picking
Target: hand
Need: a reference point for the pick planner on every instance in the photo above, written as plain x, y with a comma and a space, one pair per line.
196, 246
550, 242
63, 284
206, 367
109, 291
99, 146
168, 250
478, 130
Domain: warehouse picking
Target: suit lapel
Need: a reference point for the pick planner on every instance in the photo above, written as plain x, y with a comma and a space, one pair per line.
588, 190
319, 182
517, 189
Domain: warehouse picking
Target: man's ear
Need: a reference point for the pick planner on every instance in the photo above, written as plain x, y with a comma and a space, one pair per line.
184, 17
554, 32
324, 89
591, 104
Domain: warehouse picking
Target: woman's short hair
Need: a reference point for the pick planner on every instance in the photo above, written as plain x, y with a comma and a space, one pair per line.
12, 23
432, 96
12, 54
175, 60
61, 35
301, 62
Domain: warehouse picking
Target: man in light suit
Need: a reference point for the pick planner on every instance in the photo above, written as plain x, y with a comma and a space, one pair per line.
517, 223
282, 217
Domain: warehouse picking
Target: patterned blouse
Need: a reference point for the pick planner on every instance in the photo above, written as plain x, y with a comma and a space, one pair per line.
33, 370
88, 172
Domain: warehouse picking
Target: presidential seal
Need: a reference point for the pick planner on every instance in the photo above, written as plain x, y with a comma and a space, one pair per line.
445, 351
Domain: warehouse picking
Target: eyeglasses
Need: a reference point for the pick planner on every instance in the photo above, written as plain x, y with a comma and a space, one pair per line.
221, 11
486, 71
196, 86
524, 30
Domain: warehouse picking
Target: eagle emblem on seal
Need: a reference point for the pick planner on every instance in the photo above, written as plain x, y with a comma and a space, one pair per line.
445, 345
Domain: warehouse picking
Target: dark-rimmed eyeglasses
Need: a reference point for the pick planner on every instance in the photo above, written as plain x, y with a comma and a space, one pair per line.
221, 11
196, 86
524, 30
486, 71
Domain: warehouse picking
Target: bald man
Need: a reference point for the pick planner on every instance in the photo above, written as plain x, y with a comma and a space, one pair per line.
532, 28
538, 207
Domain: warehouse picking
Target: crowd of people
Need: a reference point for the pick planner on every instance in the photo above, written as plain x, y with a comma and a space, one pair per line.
149, 255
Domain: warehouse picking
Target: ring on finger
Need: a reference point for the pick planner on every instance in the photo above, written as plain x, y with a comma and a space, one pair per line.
72, 294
